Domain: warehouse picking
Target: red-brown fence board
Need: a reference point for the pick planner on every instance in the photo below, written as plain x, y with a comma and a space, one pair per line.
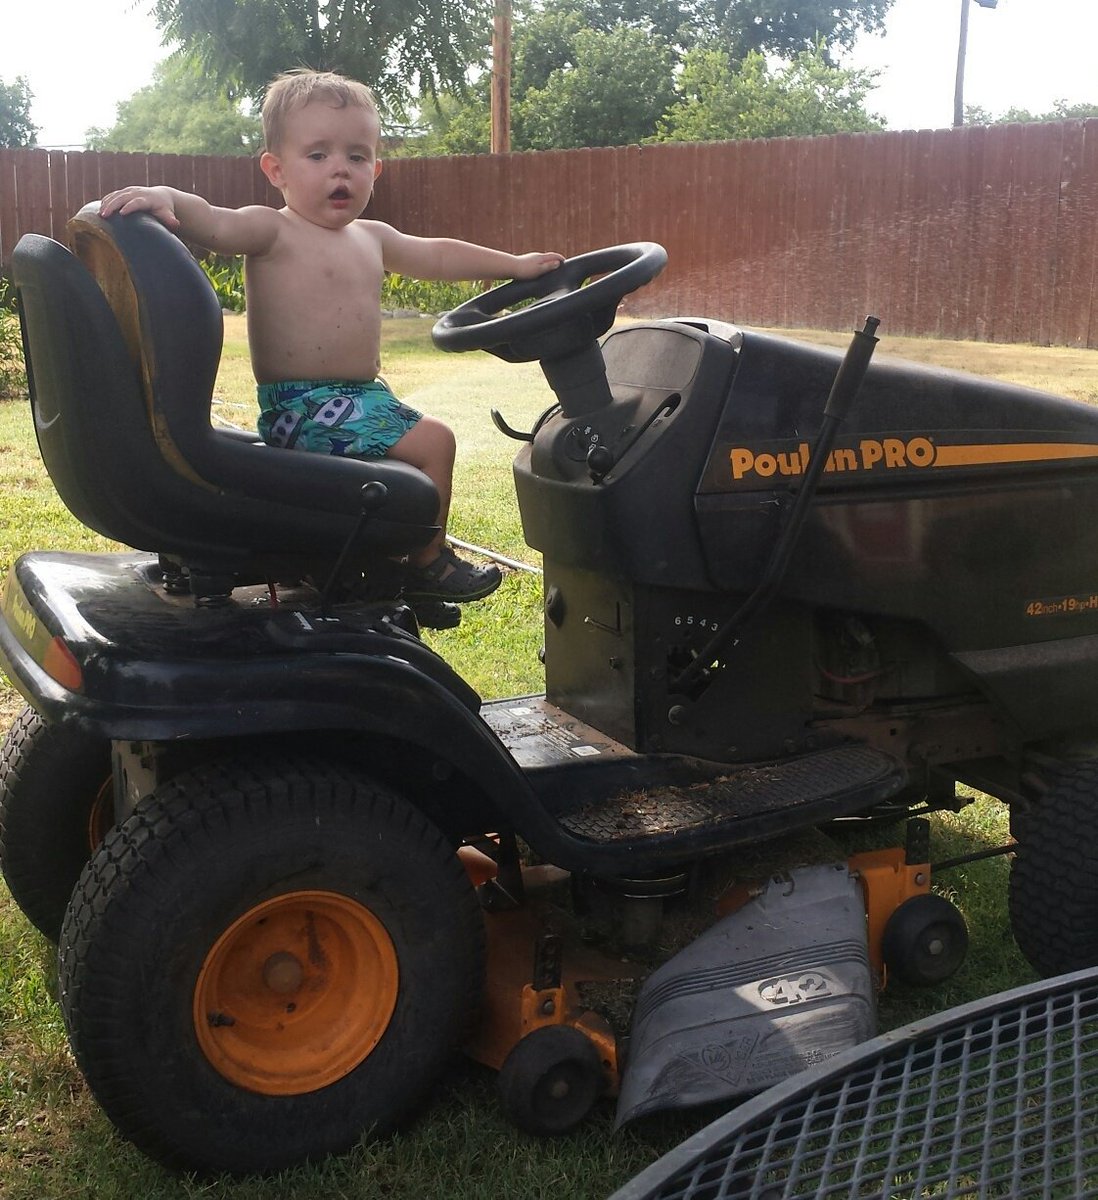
988, 233
61, 207
32, 193
1075, 233
9, 230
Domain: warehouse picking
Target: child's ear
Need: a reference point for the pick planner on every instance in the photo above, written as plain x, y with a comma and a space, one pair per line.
377, 168
271, 166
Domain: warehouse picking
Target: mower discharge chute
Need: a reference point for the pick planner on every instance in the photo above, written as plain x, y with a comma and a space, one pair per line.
294, 861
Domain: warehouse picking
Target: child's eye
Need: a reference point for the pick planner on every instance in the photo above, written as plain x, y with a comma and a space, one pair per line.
317, 156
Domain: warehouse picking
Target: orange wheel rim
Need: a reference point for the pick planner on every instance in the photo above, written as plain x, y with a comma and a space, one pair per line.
296, 993
101, 815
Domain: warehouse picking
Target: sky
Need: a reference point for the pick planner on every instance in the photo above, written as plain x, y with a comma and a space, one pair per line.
81, 60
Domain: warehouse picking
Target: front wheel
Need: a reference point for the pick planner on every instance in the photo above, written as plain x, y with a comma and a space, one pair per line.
266, 962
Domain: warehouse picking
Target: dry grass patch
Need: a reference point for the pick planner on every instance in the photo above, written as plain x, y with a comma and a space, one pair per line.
1064, 370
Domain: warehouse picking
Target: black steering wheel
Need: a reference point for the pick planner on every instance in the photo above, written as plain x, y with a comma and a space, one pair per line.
566, 315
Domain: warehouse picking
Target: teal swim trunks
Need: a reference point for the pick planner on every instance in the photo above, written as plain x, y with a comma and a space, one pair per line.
332, 416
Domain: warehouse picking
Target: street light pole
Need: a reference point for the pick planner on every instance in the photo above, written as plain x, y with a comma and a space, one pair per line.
962, 50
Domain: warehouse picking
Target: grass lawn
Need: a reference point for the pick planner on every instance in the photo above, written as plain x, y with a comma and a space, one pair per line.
54, 1141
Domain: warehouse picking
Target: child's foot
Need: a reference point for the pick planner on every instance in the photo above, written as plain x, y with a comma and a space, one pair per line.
451, 578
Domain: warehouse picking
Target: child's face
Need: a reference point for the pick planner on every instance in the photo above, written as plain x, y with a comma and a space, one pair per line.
327, 162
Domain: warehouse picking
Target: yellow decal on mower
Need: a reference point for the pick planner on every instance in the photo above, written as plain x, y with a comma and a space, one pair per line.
19, 614
51, 653
882, 454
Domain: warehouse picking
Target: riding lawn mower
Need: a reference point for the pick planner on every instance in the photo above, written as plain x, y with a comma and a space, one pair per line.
293, 861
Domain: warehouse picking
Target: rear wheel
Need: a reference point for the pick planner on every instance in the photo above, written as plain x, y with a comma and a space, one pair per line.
265, 962
56, 804
1054, 876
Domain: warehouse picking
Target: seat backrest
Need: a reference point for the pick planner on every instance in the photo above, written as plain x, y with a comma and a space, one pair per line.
137, 326
177, 380
86, 398
170, 319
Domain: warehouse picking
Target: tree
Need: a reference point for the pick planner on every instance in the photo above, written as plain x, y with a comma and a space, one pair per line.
180, 112
454, 125
773, 27
721, 99
391, 45
778, 28
572, 87
613, 94
16, 128
1061, 111
678, 22
609, 72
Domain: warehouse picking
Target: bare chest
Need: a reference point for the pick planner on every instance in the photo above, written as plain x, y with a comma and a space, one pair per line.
329, 268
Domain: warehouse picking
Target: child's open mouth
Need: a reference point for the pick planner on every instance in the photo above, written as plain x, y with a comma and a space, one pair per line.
340, 196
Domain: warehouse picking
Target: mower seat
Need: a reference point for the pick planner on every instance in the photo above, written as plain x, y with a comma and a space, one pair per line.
123, 342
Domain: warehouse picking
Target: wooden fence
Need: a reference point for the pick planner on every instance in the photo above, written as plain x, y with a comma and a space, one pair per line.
983, 232
41, 189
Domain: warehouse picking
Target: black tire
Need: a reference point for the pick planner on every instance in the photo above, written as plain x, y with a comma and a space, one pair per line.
1053, 894
551, 1080
55, 806
924, 941
200, 873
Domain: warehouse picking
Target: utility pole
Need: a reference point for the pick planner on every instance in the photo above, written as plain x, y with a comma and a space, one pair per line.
501, 78
962, 50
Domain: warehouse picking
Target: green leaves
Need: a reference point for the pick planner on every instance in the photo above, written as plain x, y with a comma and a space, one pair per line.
614, 94
13, 378
394, 46
615, 72
16, 128
721, 99
181, 112
226, 276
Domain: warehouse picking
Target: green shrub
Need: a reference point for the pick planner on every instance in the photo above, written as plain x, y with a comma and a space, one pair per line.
398, 291
13, 377
423, 295
226, 274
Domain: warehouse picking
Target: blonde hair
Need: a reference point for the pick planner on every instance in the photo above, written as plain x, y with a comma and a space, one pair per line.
294, 89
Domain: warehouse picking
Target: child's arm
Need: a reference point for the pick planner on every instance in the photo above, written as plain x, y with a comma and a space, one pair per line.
447, 258
250, 230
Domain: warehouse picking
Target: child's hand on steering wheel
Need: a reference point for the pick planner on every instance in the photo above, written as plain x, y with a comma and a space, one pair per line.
534, 264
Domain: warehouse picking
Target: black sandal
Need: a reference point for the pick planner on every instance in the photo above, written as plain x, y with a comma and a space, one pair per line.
436, 614
451, 578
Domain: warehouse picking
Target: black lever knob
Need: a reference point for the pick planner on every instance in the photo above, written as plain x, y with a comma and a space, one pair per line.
600, 462
373, 495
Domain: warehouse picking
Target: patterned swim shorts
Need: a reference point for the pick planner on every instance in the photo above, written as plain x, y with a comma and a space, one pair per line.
331, 416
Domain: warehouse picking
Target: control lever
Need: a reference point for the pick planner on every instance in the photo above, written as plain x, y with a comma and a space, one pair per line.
844, 391
506, 430
372, 498
499, 422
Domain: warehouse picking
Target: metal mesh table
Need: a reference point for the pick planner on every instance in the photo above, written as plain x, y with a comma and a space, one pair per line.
997, 1098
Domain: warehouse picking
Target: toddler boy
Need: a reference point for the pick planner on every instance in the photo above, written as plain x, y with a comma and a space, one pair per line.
313, 272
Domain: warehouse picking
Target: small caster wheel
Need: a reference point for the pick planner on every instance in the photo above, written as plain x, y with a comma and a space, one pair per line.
550, 1080
925, 940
